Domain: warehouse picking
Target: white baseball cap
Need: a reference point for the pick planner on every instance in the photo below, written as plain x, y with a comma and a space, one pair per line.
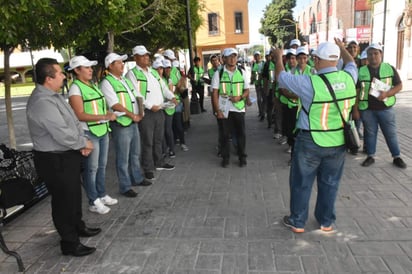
169, 54
111, 57
327, 51
229, 51
364, 55
375, 46
256, 53
80, 61
167, 63
290, 52
140, 50
295, 42
175, 64
157, 64
302, 50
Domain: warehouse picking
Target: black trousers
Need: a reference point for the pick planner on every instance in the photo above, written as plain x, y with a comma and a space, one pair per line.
233, 126
199, 90
61, 173
289, 122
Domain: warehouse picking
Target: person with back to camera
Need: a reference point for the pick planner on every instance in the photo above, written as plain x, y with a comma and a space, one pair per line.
319, 150
59, 142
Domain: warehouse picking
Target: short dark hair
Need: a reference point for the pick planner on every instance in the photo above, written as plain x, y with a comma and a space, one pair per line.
45, 68
197, 58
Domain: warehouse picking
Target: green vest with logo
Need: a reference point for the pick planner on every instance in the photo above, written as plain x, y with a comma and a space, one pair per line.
94, 103
123, 97
232, 87
142, 80
325, 122
385, 75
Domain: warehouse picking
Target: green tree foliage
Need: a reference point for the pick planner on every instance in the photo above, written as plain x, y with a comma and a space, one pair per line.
274, 25
90, 26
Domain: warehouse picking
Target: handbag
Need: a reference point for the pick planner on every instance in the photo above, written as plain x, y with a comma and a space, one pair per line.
350, 132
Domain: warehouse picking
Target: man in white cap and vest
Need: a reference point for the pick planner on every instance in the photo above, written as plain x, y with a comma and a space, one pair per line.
319, 150
154, 91
230, 90
379, 82
122, 98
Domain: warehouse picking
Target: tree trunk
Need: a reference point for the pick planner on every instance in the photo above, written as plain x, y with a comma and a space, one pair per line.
7, 93
110, 43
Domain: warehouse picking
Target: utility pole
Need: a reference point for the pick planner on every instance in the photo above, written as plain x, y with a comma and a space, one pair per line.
189, 33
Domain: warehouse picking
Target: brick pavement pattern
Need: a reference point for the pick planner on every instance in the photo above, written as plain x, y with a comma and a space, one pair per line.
201, 218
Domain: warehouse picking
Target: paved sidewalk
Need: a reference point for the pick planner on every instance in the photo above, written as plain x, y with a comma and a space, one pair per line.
201, 218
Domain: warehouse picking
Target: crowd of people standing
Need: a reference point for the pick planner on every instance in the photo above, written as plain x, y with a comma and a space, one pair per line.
146, 111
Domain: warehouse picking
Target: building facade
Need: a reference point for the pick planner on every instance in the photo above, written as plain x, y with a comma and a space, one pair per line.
323, 20
225, 24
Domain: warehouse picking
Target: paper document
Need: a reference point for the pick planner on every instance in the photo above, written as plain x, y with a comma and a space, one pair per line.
168, 105
224, 105
377, 87
118, 113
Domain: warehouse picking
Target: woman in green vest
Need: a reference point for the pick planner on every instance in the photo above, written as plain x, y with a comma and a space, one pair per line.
89, 105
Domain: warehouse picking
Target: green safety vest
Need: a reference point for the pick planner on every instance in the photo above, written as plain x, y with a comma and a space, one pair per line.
172, 110
271, 78
256, 73
123, 97
198, 74
288, 101
385, 75
175, 75
142, 81
232, 87
211, 72
325, 122
94, 103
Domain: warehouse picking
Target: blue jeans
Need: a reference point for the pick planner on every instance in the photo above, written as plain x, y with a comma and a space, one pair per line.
127, 144
387, 122
310, 161
94, 173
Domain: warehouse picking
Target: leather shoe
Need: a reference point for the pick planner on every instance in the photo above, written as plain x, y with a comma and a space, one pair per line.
145, 182
368, 161
78, 250
242, 162
89, 232
130, 193
225, 163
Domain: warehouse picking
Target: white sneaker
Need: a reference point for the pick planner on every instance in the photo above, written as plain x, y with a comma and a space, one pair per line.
99, 207
276, 135
107, 200
184, 147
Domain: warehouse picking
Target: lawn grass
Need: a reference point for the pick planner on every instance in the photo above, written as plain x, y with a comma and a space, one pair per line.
18, 89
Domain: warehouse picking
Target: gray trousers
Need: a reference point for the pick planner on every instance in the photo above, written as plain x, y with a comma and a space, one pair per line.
152, 130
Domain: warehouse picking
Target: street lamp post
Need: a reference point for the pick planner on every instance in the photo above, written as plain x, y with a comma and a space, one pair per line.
296, 26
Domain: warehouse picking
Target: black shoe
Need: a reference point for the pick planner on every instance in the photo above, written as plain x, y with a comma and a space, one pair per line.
242, 162
399, 162
130, 193
262, 118
166, 167
145, 182
203, 110
369, 161
89, 232
149, 175
225, 162
78, 250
